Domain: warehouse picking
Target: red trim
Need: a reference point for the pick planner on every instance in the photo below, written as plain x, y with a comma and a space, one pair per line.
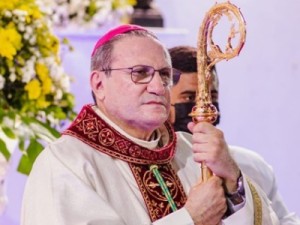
95, 132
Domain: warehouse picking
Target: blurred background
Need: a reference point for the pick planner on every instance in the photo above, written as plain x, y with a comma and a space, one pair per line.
259, 90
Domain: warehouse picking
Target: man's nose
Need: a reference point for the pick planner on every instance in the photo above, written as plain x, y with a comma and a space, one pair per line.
156, 85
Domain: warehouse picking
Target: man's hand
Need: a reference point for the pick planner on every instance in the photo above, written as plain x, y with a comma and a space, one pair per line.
206, 202
209, 146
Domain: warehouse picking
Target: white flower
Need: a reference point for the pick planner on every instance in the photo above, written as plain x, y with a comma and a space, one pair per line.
21, 27
52, 119
2, 81
29, 30
58, 94
87, 13
12, 77
28, 71
24, 131
32, 40
65, 83
8, 122
20, 13
26, 36
7, 14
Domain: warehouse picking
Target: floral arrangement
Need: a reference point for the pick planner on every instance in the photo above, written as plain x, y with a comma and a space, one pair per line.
35, 97
88, 13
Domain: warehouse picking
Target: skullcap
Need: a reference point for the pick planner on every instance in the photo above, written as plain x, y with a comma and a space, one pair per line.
114, 32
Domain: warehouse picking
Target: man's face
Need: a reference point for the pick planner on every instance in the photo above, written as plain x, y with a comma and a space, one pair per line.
185, 91
136, 108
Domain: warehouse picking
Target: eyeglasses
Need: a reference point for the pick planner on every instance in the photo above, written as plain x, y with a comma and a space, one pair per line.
142, 74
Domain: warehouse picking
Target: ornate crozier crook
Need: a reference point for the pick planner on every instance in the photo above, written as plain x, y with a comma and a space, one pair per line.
204, 110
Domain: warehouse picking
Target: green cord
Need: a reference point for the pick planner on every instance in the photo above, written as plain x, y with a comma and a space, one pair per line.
162, 184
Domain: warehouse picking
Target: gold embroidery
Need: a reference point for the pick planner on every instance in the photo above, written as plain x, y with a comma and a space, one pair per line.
90, 126
257, 204
156, 202
92, 130
106, 137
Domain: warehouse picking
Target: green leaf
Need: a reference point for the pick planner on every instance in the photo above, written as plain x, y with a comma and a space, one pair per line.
34, 149
22, 144
27, 160
8, 132
4, 150
2, 114
11, 115
25, 165
53, 131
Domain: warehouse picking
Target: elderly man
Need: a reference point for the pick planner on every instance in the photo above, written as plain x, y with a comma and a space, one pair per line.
120, 161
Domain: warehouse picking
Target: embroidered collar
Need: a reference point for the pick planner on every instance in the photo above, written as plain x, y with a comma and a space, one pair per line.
154, 139
94, 131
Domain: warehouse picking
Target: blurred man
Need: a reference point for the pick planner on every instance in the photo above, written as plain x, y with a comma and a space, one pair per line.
183, 91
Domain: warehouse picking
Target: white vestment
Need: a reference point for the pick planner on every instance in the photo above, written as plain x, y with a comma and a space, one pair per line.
73, 184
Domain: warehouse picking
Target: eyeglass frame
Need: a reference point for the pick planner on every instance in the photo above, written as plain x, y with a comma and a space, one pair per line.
175, 74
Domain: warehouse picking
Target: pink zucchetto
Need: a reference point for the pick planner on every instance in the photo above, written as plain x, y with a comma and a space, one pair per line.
115, 31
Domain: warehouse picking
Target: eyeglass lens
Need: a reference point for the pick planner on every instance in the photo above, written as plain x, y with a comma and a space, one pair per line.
144, 74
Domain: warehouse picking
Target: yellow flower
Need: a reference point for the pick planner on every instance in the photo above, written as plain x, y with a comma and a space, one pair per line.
43, 73
34, 89
8, 5
47, 42
11, 42
122, 3
42, 103
33, 12
41, 70
47, 85
132, 2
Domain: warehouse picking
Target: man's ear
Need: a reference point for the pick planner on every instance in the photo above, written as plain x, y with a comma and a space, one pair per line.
96, 82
